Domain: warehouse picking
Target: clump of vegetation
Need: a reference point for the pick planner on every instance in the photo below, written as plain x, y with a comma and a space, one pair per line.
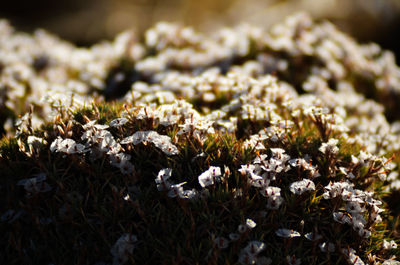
251, 147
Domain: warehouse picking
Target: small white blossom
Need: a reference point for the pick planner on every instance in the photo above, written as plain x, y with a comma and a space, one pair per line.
250, 223
299, 187
330, 147
341, 217
352, 257
67, 145
287, 233
36, 141
162, 179
208, 177
175, 190
389, 245
118, 122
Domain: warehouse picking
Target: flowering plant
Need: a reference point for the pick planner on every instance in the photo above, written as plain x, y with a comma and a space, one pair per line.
250, 147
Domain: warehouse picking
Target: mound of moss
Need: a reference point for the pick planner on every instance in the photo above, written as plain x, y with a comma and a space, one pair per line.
245, 147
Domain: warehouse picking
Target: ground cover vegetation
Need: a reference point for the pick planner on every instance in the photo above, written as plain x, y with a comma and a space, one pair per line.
248, 146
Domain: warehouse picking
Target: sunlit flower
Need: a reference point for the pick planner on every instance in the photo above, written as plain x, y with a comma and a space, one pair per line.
118, 122
389, 245
330, 147
208, 177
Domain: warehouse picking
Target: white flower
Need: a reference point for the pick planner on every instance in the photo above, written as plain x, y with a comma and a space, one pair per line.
357, 221
389, 245
55, 144
330, 147
135, 139
341, 217
287, 233
354, 207
118, 122
274, 197
246, 169
250, 223
299, 187
207, 177
162, 179
364, 233
108, 144
215, 171
35, 141
162, 142
271, 191
119, 158
352, 257
175, 190
347, 173
67, 145
274, 202
188, 194
123, 248
170, 149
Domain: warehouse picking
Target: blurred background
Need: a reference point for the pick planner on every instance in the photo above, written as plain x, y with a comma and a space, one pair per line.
89, 21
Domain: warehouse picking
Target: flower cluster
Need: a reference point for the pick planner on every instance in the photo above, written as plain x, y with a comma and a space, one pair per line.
277, 124
174, 190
